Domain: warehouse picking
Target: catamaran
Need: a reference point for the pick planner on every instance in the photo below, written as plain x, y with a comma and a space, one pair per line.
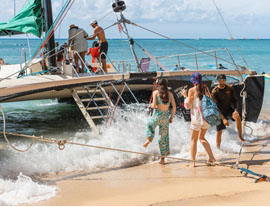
128, 82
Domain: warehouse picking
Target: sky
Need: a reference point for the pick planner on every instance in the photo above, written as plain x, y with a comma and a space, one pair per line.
173, 18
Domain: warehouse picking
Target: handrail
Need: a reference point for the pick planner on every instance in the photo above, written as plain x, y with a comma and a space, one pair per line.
103, 53
75, 52
126, 85
193, 53
22, 51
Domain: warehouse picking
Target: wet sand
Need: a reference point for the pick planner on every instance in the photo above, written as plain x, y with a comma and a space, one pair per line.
172, 184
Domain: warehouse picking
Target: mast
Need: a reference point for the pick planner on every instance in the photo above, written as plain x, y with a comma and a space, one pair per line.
120, 6
48, 23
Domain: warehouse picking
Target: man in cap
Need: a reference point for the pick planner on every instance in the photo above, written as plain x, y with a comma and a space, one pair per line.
99, 32
226, 100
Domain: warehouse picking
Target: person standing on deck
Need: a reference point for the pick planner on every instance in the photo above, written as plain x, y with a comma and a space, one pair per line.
225, 98
162, 98
198, 125
99, 32
77, 39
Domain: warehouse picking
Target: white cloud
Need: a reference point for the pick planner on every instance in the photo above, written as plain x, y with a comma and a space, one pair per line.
161, 12
186, 11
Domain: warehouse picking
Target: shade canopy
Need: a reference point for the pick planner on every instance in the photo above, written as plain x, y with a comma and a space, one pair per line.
29, 20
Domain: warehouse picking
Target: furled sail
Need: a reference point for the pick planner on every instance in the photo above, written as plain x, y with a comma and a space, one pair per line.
28, 21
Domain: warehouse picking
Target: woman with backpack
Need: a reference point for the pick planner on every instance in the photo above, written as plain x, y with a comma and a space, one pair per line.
162, 98
198, 125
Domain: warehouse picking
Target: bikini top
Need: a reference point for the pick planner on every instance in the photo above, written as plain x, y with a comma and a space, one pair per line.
159, 100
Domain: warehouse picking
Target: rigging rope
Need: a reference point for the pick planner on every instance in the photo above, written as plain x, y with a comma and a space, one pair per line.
60, 25
231, 36
54, 26
101, 18
148, 54
186, 45
48, 52
118, 99
7, 77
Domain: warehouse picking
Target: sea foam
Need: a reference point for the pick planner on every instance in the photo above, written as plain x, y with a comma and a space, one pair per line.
23, 191
127, 132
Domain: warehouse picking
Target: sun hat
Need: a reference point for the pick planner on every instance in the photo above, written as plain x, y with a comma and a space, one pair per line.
72, 26
196, 78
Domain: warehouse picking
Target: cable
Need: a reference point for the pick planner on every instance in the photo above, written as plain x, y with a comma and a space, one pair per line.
61, 145
231, 36
9, 76
4, 134
181, 43
60, 25
101, 18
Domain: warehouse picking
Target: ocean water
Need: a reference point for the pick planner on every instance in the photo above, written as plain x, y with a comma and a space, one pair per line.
19, 183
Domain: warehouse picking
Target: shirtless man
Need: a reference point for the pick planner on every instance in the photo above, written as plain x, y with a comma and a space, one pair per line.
99, 32
225, 98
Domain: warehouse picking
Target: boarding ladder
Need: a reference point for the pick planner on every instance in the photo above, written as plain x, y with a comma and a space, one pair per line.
93, 100
94, 103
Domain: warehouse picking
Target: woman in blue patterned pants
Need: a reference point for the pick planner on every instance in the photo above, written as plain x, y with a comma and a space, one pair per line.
162, 98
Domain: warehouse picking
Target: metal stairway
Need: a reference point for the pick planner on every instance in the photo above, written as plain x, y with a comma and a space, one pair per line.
94, 103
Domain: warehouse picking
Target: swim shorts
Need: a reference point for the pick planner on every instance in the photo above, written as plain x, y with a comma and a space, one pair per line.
104, 49
227, 115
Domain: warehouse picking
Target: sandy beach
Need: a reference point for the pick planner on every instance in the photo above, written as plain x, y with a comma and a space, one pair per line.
173, 184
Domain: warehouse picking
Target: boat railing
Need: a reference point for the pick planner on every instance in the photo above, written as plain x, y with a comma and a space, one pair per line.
170, 61
125, 84
111, 62
23, 52
83, 62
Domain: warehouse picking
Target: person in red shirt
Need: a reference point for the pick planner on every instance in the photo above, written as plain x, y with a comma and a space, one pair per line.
95, 53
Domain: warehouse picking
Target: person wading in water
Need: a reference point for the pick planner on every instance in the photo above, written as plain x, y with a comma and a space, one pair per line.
225, 98
162, 98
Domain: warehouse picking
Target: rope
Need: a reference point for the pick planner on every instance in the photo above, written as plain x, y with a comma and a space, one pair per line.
7, 77
61, 145
186, 45
49, 36
77, 43
101, 18
109, 104
239, 154
60, 25
231, 36
118, 99
148, 54
53, 27
4, 134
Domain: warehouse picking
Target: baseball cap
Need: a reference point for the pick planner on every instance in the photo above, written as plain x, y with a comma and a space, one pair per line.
93, 21
221, 77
